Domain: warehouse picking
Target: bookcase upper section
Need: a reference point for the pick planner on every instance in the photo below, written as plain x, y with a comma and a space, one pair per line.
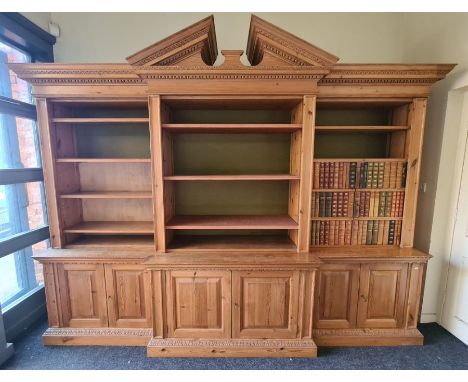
281, 64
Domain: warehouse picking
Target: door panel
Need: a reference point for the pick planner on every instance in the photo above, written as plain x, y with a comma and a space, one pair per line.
128, 296
265, 304
382, 295
82, 295
336, 298
198, 304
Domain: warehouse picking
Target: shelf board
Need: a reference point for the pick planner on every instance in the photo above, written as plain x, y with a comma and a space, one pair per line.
109, 195
103, 160
232, 222
112, 228
232, 127
113, 241
318, 160
357, 189
363, 129
231, 243
357, 218
232, 177
100, 120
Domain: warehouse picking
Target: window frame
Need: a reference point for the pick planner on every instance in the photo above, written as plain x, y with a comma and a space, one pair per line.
22, 34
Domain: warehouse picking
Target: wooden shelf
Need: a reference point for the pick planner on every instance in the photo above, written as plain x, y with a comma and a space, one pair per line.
231, 243
232, 222
112, 228
359, 160
232, 177
112, 241
103, 160
362, 129
109, 195
357, 218
100, 120
232, 127
357, 189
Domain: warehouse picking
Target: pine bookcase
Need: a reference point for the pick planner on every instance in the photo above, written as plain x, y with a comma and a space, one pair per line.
232, 210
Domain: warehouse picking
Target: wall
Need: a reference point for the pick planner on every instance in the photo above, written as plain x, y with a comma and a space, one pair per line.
41, 19
354, 37
438, 38
110, 37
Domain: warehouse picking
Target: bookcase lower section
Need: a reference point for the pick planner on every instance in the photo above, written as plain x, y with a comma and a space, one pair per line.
234, 304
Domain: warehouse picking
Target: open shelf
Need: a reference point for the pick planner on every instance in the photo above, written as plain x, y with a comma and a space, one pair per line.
232, 127
370, 129
112, 227
100, 120
232, 243
357, 189
231, 222
113, 241
103, 160
109, 195
231, 177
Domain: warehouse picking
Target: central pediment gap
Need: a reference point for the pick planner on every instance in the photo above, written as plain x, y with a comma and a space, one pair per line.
232, 59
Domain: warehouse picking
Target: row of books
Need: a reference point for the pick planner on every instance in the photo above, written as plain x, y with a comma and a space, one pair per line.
356, 232
358, 204
359, 174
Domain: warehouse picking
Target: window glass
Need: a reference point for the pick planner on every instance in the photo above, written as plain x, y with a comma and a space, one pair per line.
12, 86
20, 273
21, 208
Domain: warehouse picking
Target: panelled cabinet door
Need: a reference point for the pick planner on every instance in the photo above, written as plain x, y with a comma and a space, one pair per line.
128, 296
198, 304
265, 304
336, 298
382, 295
82, 295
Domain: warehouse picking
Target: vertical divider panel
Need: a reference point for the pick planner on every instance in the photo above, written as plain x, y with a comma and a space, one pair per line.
295, 169
47, 138
156, 121
307, 157
414, 147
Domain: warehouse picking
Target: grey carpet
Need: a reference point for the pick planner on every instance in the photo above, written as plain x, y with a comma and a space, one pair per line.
441, 351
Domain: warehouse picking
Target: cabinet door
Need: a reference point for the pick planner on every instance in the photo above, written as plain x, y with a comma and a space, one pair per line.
265, 304
82, 295
382, 294
128, 296
198, 304
336, 296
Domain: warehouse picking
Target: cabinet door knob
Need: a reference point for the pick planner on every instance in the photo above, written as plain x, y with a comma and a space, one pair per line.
363, 298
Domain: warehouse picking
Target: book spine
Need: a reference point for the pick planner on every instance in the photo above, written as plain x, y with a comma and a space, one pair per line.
364, 171
312, 232
328, 204
386, 227
322, 233
339, 181
375, 175
369, 232
366, 204
393, 174
322, 197
380, 175
357, 204
327, 233
375, 228
326, 175
393, 208
335, 206
391, 232
381, 204
370, 174
388, 203
403, 175
331, 174
346, 175
352, 175
401, 204
322, 175
316, 175
386, 180
380, 234
354, 232
331, 232
358, 180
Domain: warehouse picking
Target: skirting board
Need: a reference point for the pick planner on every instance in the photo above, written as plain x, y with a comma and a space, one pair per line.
97, 336
428, 317
367, 337
178, 347
6, 352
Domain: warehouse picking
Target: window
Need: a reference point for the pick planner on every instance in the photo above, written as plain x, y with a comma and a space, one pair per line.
23, 222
